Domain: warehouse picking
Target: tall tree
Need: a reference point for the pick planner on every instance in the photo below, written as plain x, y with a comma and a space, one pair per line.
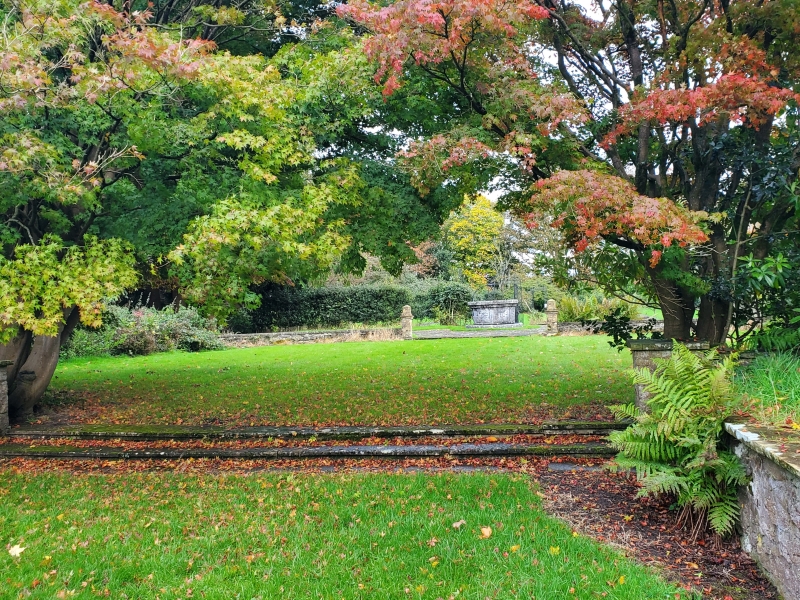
130, 151
684, 114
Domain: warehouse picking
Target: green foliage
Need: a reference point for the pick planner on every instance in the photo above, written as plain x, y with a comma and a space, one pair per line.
143, 331
42, 281
771, 383
675, 447
617, 324
445, 302
284, 307
572, 308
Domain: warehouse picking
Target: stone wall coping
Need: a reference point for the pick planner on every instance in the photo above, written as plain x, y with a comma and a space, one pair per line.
490, 303
303, 332
779, 445
661, 345
6, 363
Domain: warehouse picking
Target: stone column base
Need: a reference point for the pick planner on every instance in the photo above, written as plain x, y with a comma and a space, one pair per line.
644, 353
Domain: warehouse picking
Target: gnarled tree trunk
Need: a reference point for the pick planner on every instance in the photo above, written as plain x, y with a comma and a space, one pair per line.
35, 361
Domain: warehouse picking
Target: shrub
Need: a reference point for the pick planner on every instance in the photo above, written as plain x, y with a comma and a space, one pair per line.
675, 448
446, 302
144, 331
593, 308
284, 307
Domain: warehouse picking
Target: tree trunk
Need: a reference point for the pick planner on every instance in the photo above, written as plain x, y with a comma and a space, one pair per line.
35, 361
711, 321
16, 350
677, 308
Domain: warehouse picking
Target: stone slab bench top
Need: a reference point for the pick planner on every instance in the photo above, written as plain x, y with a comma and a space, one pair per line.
780, 445
490, 303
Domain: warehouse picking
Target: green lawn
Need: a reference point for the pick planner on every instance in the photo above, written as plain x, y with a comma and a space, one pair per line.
299, 536
771, 385
432, 381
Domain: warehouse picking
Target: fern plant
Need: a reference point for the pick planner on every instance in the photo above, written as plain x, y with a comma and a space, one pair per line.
675, 447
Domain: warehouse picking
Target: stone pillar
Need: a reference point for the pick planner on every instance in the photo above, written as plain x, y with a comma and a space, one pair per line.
406, 319
551, 310
644, 353
4, 426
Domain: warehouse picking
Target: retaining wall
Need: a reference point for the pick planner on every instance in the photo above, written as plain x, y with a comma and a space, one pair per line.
770, 520
249, 340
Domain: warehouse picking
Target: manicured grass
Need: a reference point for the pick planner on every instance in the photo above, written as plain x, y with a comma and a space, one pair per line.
772, 384
424, 381
299, 536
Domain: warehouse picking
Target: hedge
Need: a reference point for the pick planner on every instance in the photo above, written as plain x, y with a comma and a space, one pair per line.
283, 307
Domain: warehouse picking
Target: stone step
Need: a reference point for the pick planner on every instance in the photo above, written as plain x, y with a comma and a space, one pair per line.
370, 451
188, 432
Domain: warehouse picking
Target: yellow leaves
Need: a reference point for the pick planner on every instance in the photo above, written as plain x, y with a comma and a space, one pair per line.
486, 533
515, 548
621, 580
16, 550
434, 560
555, 550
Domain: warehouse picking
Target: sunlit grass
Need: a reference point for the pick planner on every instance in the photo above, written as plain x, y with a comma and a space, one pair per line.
772, 384
270, 536
424, 381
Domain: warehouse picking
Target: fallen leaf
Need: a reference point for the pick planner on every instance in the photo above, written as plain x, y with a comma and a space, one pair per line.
486, 532
515, 548
432, 542
554, 550
15, 551
458, 524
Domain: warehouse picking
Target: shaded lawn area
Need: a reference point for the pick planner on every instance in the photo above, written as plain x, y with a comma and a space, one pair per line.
300, 536
525, 379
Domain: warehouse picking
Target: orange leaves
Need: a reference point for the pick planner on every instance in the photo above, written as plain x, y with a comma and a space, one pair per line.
590, 206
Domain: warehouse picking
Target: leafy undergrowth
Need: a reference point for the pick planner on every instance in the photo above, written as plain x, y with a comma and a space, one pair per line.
167, 535
771, 385
526, 379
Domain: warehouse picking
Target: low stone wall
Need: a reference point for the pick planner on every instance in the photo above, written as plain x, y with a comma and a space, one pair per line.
250, 340
574, 327
770, 521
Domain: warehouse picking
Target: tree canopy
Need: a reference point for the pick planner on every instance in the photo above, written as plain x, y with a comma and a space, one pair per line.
662, 136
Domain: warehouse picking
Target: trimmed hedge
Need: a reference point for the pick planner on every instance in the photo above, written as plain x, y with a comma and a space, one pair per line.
283, 307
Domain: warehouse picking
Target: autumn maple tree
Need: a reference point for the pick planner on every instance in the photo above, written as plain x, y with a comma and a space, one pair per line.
660, 135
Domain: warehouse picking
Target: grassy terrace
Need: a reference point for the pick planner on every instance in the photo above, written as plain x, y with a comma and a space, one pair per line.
436, 381
299, 536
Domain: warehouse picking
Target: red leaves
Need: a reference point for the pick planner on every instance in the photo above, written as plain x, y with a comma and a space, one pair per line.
737, 97
427, 32
590, 206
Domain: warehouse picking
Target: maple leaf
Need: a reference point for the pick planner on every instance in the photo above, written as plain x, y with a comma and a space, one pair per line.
16, 550
432, 542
